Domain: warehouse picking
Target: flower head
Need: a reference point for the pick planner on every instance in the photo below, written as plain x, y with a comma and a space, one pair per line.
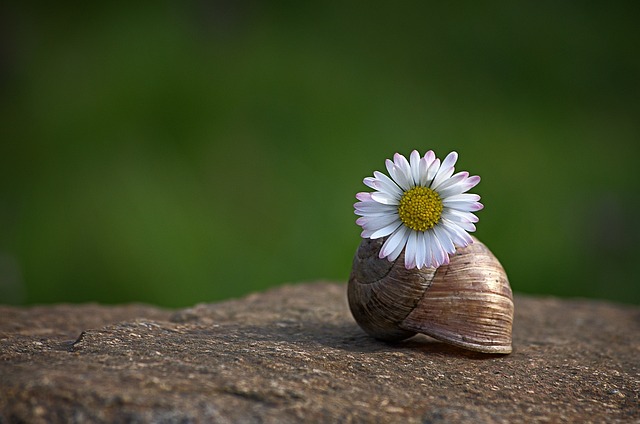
423, 209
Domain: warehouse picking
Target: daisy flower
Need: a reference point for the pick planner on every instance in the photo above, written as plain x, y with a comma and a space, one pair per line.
423, 209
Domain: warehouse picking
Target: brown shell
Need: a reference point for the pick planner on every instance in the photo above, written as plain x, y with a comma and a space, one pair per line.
467, 303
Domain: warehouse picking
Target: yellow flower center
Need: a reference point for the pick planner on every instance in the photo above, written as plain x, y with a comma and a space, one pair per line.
420, 208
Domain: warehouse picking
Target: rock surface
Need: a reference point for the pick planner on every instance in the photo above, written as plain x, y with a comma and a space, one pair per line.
294, 354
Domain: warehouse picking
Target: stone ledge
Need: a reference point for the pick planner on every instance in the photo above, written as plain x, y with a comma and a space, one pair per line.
294, 354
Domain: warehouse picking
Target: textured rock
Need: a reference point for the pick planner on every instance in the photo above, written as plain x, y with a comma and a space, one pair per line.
294, 353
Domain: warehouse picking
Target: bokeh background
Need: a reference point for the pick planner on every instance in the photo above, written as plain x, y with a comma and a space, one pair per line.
192, 151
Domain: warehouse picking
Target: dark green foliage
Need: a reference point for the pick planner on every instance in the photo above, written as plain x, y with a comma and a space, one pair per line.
190, 152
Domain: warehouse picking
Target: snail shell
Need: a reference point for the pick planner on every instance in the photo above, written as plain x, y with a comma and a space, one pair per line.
467, 303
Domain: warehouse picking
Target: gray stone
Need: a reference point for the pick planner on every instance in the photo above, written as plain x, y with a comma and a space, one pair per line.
295, 354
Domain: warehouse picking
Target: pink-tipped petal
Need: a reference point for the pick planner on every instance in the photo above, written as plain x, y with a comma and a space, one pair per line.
430, 156
446, 169
466, 197
450, 160
401, 162
445, 190
363, 196
464, 206
370, 182
378, 211
459, 237
458, 216
472, 182
455, 180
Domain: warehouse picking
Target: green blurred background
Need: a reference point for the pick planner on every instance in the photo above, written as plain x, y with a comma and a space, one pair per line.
184, 152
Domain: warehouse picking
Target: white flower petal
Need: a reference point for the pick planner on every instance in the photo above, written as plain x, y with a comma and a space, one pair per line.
402, 163
458, 216
386, 230
450, 160
440, 256
446, 169
374, 208
466, 202
414, 162
471, 182
429, 157
387, 183
431, 172
377, 222
444, 239
468, 227
384, 198
382, 226
378, 210
410, 250
396, 253
458, 235
423, 166
391, 169
370, 182
428, 254
463, 223
455, 180
398, 238
467, 197
464, 206
363, 196
436, 251
421, 251
366, 233
401, 176
458, 188
428, 244
372, 214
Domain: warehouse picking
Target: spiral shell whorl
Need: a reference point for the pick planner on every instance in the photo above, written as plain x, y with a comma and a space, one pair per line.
467, 303
382, 293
